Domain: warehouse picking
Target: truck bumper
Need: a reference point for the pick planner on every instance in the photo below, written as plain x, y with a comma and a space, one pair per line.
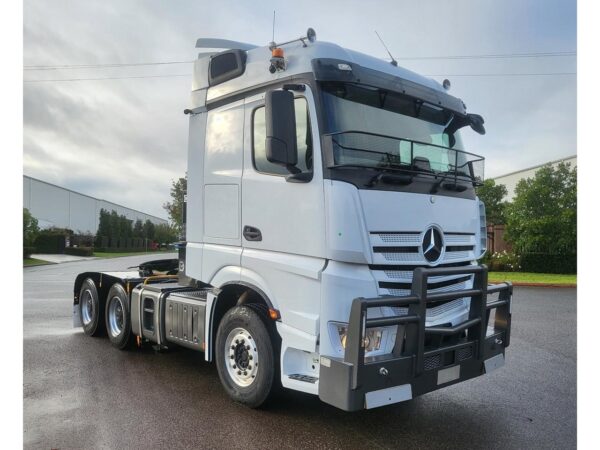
424, 359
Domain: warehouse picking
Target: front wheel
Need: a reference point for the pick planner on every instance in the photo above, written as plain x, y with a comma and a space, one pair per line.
246, 359
118, 318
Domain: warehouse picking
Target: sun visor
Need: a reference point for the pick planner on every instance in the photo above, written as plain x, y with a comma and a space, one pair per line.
328, 69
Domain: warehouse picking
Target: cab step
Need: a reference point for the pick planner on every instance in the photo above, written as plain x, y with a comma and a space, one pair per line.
305, 378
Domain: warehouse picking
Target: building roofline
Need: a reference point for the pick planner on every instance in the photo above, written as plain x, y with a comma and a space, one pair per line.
535, 167
94, 198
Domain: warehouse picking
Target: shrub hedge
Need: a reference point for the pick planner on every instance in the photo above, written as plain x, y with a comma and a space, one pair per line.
549, 263
79, 251
50, 243
27, 251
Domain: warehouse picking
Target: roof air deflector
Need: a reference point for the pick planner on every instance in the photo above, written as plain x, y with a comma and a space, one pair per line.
223, 44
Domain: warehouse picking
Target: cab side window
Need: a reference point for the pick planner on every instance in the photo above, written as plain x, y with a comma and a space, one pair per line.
303, 141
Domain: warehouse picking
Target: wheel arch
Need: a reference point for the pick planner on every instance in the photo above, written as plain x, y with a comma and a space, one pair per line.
234, 293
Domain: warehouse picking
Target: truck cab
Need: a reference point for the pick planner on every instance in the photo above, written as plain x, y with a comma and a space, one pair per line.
332, 232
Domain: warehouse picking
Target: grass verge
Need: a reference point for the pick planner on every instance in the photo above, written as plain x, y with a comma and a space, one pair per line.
27, 262
527, 277
120, 254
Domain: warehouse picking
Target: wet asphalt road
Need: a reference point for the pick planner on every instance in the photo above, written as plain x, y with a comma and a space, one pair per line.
79, 392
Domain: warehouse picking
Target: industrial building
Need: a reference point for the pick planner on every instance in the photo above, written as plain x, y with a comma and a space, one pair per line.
511, 179
55, 206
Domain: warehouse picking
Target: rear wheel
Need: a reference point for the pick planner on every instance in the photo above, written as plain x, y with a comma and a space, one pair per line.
118, 319
246, 360
90, 309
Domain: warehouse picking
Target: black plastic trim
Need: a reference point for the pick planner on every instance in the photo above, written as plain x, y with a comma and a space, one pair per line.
395, 232
459, 248
412, 267
395, 249
326, 69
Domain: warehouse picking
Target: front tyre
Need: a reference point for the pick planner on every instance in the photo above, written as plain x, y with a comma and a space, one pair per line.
118, 318
90, 309
245, 355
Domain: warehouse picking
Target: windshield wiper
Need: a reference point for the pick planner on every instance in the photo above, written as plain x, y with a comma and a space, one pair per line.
450, 186
389, 178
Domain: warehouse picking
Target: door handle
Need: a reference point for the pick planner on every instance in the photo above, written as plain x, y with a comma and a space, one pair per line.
252, 234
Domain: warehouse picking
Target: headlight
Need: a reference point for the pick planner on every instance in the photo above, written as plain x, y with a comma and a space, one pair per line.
482, 229
377, 341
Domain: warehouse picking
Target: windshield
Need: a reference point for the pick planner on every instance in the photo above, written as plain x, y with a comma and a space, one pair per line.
376, 128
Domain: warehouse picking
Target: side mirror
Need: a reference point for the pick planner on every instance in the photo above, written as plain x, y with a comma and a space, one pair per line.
476, 123
280, 118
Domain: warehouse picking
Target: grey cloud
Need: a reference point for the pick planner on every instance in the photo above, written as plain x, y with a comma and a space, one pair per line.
124, 140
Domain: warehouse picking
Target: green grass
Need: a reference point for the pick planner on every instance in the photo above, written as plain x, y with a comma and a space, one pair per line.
526, 277
34, 262
120, 254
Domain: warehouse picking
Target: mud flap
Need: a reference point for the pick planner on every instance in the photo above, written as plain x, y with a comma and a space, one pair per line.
76, 317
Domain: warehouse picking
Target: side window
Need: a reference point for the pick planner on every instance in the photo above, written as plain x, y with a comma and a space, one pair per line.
303, 140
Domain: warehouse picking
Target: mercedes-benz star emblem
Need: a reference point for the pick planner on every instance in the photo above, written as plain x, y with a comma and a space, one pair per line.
433, 244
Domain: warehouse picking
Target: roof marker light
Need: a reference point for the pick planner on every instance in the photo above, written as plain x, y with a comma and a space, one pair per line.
344, 66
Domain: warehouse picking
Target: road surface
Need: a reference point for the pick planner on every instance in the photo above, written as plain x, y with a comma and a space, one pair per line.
79, 392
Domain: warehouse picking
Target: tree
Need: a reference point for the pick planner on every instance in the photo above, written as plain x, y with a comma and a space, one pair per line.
543, 214
30, 228
165, 233
175, 207
125, 226
138, 229
115, 225
491, 194
149, 229
103, 225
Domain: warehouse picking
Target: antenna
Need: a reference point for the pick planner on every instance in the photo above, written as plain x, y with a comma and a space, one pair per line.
394, 62
273, 40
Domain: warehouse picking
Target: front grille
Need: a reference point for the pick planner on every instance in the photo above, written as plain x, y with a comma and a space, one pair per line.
398, 283
405, 247
396, 280
397, 238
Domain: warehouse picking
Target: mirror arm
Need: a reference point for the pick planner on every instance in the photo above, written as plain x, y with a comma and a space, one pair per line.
292, 169
301, 177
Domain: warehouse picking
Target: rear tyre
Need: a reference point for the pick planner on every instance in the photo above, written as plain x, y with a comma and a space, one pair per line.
246, 360
118, 318
90, 309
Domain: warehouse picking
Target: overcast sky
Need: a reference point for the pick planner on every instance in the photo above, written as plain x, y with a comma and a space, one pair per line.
125, 140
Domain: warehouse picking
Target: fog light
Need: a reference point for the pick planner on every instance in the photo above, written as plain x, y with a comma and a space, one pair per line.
379, 340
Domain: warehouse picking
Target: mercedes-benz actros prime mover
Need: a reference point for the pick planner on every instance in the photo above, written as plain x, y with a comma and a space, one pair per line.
332, 234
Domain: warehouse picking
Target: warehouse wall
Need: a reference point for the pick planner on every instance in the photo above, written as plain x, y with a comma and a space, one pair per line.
54, 206
510, 180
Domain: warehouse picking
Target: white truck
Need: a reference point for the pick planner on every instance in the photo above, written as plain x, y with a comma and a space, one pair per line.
332, 234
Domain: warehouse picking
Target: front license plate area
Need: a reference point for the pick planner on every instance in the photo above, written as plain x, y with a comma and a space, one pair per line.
448, 375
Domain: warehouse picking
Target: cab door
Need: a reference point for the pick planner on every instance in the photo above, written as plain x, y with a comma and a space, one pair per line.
278, 215
283, 222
